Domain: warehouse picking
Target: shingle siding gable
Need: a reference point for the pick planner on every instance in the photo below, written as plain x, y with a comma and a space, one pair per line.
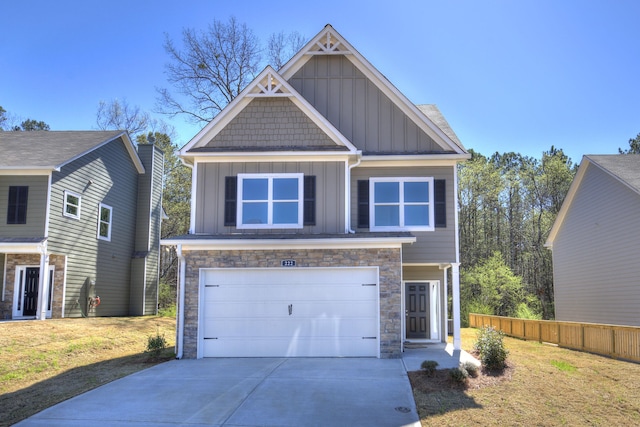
271, 122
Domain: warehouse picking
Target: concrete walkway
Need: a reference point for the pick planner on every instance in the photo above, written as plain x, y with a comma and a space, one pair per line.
256, 392
442, 353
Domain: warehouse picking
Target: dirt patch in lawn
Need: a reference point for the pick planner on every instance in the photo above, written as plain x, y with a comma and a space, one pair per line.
45, 362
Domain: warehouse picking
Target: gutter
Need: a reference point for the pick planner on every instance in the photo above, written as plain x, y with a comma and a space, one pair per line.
347, 193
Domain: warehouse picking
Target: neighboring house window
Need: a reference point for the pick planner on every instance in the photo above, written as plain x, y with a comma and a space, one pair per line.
401, 204
270, 200
105, 218
71, 205
17, 207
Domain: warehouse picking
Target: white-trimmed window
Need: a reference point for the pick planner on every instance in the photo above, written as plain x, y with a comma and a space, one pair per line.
270, 200
72, 203
105, 218
401, 204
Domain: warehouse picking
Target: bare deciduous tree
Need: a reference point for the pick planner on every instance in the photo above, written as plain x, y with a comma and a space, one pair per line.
117, 114
210, 71
281, 47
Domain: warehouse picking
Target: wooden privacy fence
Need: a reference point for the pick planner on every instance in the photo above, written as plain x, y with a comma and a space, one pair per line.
615, 341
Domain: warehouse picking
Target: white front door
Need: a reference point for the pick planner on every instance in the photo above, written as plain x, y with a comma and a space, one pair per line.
289, 312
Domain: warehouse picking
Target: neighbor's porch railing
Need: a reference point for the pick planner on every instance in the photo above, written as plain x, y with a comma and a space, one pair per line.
621, 342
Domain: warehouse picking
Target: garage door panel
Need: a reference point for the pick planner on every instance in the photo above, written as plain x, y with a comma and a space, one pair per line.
290, 312
290, 292
313, 328
343, 309
285, 347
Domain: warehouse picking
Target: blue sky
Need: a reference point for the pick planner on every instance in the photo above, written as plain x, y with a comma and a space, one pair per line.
508, 75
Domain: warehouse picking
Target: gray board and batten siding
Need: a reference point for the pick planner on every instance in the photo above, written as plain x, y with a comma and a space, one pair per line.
36, 205
437, 246
358, 108
94, 266
329, 195
595, 253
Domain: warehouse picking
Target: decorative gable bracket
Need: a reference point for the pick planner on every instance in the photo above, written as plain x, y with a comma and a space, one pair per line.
328, 44
271, 85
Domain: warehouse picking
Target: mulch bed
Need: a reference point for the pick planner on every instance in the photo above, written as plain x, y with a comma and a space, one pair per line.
441, 381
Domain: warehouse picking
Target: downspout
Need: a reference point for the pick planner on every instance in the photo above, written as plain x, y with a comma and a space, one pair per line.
182, 263
43, 282
455, 268
347, 193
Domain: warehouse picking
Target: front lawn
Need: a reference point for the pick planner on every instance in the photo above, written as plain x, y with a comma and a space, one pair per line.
45, 362
543, 385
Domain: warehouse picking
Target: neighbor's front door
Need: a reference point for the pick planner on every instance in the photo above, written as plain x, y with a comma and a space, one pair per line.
30, 300
417, 310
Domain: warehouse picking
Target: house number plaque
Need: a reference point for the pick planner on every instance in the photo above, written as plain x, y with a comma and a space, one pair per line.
288, 263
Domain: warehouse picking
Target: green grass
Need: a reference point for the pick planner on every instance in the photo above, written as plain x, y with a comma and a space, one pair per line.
563, 366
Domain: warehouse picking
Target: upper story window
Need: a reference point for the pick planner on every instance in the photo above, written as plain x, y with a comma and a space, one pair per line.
71, 206
17, 206
105, 218
401, 204
270, 200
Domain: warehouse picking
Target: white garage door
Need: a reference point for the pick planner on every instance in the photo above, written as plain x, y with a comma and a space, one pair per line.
296, 312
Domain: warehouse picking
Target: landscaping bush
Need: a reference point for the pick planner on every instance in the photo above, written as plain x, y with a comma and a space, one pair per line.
155, 344
490, 346
471, 368
458, 375
429, 367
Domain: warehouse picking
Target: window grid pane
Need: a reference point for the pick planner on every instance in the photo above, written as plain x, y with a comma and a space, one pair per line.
270, 201
401, 203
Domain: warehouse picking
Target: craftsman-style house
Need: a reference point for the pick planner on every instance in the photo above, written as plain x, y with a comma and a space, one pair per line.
323, 219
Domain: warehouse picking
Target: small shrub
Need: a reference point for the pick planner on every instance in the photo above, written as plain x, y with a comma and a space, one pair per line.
156, 344
490, 346
429, 367
471, 368
458, 375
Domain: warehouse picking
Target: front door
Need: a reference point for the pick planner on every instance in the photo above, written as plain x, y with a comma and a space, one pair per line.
417, 310
30, 300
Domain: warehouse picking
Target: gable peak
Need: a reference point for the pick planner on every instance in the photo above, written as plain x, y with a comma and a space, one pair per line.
328, 42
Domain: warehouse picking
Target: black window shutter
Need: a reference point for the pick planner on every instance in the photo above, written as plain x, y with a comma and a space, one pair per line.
363, 203
309, 200
17, 208
230, 200
440, 202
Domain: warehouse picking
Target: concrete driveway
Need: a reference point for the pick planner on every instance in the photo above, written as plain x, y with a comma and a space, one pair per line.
246, 392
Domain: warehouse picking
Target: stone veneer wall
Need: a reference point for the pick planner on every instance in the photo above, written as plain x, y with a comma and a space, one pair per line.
388, 260
15, 260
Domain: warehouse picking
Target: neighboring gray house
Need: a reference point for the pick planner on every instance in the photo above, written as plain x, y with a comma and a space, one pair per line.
84, 207
596, 242
323, 218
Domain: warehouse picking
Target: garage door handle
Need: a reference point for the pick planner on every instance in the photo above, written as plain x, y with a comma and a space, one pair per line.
290, 309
